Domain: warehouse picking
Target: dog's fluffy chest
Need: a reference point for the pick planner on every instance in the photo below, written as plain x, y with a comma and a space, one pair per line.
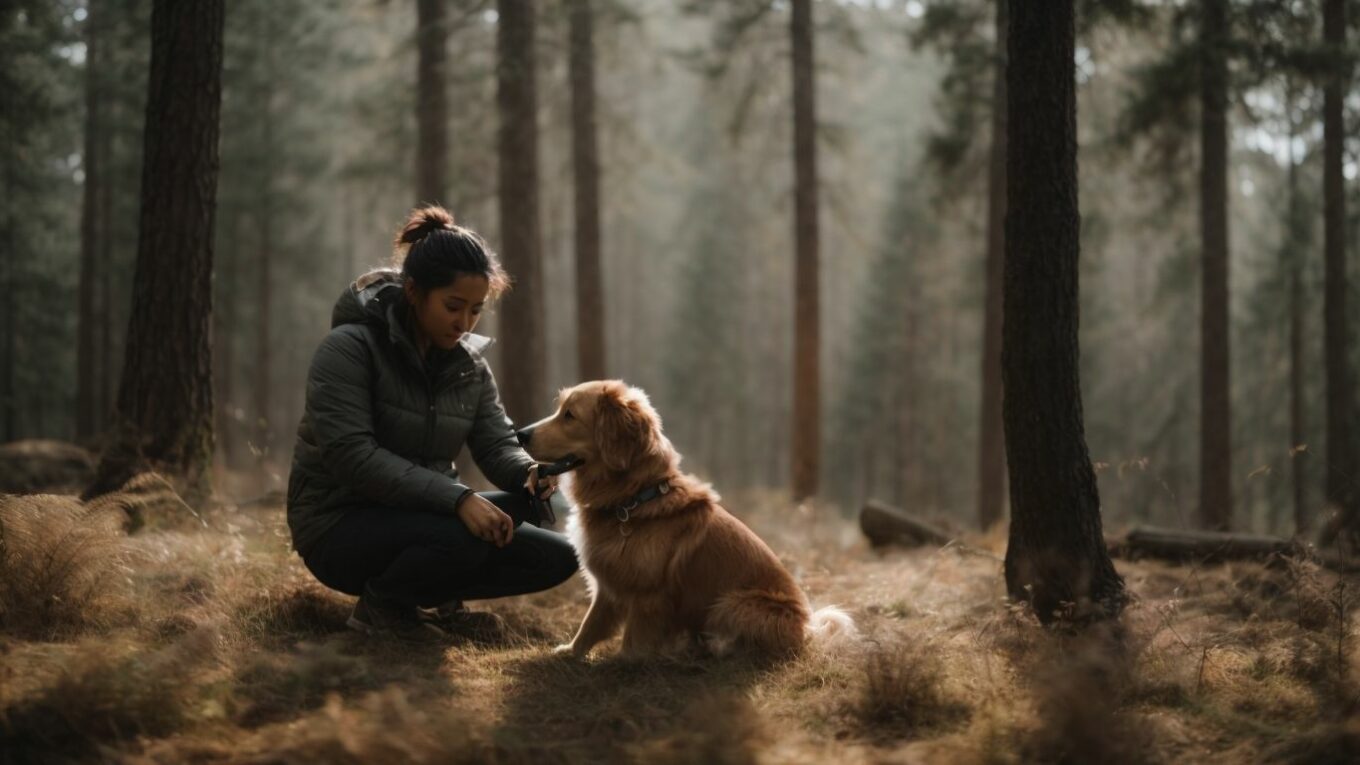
634, 555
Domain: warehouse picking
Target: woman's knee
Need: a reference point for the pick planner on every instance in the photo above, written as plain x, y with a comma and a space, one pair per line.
562, 562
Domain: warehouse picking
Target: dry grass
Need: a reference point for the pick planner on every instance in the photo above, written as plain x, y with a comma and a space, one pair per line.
62, 566
212, 644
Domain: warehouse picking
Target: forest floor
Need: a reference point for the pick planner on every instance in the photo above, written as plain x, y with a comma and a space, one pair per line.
208, 642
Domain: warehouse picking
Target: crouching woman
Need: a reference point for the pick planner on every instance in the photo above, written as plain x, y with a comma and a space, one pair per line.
375, 506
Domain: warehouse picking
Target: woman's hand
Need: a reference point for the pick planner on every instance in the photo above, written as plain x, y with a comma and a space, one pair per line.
548, 487
486, 521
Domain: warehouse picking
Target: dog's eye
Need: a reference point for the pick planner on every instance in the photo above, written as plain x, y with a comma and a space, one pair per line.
566, 414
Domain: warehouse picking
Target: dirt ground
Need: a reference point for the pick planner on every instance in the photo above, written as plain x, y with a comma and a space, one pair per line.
205, 641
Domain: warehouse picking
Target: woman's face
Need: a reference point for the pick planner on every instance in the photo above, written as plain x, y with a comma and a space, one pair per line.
445, 314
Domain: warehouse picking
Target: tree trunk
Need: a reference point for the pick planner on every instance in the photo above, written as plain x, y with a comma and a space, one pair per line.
9, 396
224, 346
1294, 253
991, 448
806, 426
1340, 481
105, 271
262, 430
87, 421
586, 166
432, 111
523, 385
1056, 559
1215, 450
164, 418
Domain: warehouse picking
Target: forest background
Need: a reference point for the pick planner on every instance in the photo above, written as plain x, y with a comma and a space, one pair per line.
318, 158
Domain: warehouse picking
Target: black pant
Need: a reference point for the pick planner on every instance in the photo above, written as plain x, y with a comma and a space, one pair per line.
426, 559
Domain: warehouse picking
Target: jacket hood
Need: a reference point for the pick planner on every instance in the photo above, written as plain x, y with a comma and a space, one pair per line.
371, 298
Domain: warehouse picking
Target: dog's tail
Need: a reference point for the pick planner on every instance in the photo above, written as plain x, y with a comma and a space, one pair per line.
831, 626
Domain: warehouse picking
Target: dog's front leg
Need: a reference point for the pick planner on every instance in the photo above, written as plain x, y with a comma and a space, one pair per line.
601, 622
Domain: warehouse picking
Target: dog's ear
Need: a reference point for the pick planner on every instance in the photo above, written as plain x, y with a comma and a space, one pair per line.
623, 428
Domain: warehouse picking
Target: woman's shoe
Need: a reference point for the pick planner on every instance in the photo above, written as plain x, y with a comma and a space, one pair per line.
379, 617
454, 618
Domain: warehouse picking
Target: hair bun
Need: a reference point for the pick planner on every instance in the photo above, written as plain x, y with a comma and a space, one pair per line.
422, 222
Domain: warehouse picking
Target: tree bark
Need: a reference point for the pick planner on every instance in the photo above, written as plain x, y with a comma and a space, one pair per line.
806, 424
991, 448
432, 111
1340, 480
87, 384
164, 412
586, 167
523, 387
1215, 494
1056, 560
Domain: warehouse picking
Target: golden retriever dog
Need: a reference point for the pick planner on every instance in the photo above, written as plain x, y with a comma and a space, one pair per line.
663, 560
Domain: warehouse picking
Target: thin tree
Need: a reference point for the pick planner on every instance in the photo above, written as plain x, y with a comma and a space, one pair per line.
524, 386
9, 394
586, 170
87, 384
1056, 560
1215, 451
806, 426
432, 111
1341, 467
262, 431
991, 497
164, 410
1294, 246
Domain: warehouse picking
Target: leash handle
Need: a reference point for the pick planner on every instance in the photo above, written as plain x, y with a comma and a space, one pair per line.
547, 470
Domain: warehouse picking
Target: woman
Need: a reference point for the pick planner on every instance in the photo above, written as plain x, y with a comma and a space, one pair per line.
396, 389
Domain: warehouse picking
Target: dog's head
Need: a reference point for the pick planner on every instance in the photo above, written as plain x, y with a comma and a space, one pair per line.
605, 422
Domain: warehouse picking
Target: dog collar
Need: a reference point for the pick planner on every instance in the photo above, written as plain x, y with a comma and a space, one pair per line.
622, 512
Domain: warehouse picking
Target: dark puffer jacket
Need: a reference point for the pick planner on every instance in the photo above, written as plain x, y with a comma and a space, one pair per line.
382, 426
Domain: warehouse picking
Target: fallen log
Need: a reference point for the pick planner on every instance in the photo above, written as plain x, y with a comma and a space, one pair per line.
1208, 546
887, 525
1218, 546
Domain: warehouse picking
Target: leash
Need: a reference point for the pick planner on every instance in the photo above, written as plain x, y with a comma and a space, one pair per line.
547, 470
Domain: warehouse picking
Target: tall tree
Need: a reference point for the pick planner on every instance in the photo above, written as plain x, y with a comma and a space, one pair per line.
1340, 481
1056, 555
1295, 227
586, 172
991, 496
261, 432
87, 383
806, 427
164, 412
432, 110
524, 385
1215, 495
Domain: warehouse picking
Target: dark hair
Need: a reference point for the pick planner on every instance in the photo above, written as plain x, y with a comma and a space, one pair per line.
434, 251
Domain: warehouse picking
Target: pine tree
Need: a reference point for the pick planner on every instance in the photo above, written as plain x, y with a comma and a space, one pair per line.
1056, 559
807, 430
164, 415
586, 175
432, 110
523, 380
